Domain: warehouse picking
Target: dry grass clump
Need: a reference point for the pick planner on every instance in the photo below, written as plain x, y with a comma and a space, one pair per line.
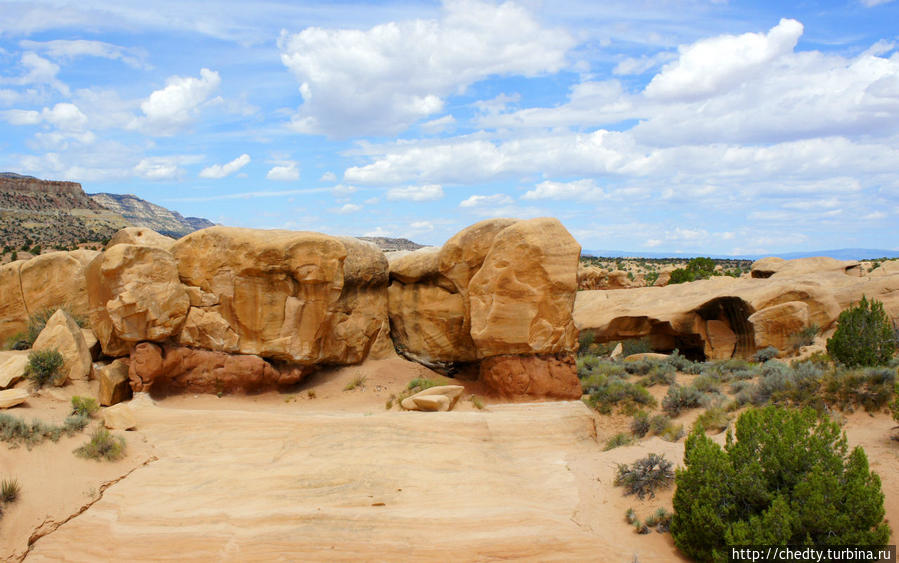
103, 445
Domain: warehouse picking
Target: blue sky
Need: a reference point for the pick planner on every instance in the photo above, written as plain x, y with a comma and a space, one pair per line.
717, 127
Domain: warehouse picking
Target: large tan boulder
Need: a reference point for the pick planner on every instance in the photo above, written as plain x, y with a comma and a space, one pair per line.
119, 417
12, 367
532, 376
63, 334
300, 297
115, 385
522, 297
141, 236
775, 325
57, 279
13, 313
135, 295
766, 267
720, 340
438, 398
206, 328
174, 368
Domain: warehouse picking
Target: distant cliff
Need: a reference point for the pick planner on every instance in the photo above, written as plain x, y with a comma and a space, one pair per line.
142, 213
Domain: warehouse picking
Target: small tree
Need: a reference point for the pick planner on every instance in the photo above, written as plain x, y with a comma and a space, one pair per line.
865, 336
788, 479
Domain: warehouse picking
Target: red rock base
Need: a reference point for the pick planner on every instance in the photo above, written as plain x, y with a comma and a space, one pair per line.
532, 376
175, 368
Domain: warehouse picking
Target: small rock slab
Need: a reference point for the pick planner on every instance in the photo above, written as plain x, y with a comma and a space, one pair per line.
12, 397
617, 352
119, 417
439, 398
12, 368
115, 386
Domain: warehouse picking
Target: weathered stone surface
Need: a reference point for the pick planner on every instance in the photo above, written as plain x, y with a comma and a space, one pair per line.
200, 298
438, 398
63, 334
186, 369
141, 236
12, 397
56, 279
522, 297
13, 313
206, 328
135, 295
115, 386
677, 316
532, 376
766, 267
12, 367
720, 340
429, 322
301, 297
775, 325
771, 266
119, 417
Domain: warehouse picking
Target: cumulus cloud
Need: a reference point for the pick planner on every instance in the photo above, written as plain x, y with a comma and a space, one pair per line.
721, 63
578, 189
163, 167
348, 208
429, 192
172, 108
65, 116
382, 80
69, 49
286, 172
485, 200
221, 170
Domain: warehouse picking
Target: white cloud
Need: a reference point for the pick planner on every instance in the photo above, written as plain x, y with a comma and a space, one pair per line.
872, 3
65, 116
221, 170
722, 63
378, 232
172, 108
422, 226
578, 189
163, 167
342, 190
642, 64
485, 200
68, 49
38, 72
428, 192
328, 177
348, 208
286, 172
382, 80
439, 125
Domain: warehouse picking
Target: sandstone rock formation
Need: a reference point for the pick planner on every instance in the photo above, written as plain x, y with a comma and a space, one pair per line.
299, 297
12, 367
119, 417
173, 368
141, 236
725, 317
62, 334
500, 288
135, 295
552, 376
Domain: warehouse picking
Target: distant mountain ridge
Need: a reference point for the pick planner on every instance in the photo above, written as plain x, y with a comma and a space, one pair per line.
142, 213
839, 254
57, 213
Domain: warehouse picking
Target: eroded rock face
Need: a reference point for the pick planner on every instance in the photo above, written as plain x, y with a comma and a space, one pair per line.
776, 325
13, 313
115, 386
141, 236
301, 297
173, 368
532, 376
135, 295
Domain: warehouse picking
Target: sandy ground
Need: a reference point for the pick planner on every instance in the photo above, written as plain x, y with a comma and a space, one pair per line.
321, 473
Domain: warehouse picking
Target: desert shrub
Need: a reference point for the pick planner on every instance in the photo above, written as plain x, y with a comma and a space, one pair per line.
651, 278
774, 384
683, 365
697, 269
870, 388
679, 398
864, 336
9, 490
585, 340
640, 367
620, 439
356, 382
672, 432
585, 363
707, 382
611, 391
681, 275
16, 431
636, 346
84, 406
658, 423
894, 406
44, 367
787, 479
640, 424
660, 374
804, 337
713, 420
103, 445
645, 475
765, 354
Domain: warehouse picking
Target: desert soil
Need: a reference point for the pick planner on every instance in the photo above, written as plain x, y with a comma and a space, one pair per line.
320, 473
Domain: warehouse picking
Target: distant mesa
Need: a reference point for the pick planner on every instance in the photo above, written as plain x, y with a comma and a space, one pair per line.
142, 213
